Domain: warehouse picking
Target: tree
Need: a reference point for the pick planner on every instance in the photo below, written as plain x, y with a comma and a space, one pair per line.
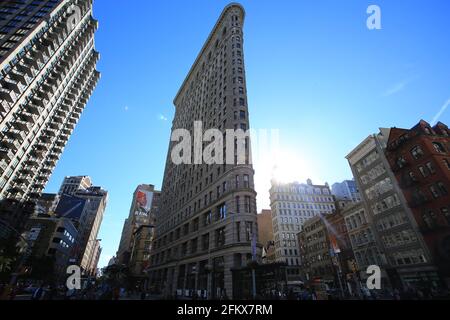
9, 255
117, 275
42, 268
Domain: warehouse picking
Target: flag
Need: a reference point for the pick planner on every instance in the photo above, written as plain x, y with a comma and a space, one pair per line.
334, 244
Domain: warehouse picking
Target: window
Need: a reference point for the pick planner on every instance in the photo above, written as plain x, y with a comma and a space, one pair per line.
205, 242
446, 214
195, 225
222, 211
194, 244
412, 176
238, 231
184, 247
417, 152
438, 147
248, 231
246, 181
423, 171
247, 204
434, 191
220, 237
207, 218
431, 167
442, 188
242, 115
401, 162
447, 164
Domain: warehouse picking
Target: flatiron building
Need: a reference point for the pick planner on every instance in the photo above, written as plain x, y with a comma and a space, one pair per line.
207, 224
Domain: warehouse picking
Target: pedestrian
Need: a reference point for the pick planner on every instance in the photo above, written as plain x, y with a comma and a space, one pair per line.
116, 293
13, 293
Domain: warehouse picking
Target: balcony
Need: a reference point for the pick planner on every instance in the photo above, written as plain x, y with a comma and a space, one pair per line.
53, 156
53, 81
33, 109
62, 113
47, 87
39, 185
10, 144
18, 135
60, 143
64, 106
75, 91
25, 69
45, 139
18, 77
6, 96
16, 190
41, 147
31, 62
58, 119
50, 163
26, 117
46, 170
22, 180
71, 96
66, 132
41, 178
57, 149
48, 43
6, 154
38, 102
21, 125
46, 96
37, 55
28, 170
49, 132
68, 102
32, 163
78, 109
54, 126
38, 155
39, 47
10, 86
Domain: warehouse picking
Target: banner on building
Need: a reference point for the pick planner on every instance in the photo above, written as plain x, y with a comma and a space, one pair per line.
143, 202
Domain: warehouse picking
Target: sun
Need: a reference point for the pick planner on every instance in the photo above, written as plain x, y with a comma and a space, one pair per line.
290, 167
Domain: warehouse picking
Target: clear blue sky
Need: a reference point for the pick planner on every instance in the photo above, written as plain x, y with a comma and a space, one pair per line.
314, 71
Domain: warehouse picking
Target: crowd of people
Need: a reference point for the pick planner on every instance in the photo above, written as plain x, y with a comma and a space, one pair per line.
103, 291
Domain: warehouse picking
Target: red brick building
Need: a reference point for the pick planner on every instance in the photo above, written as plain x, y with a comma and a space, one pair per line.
420, 160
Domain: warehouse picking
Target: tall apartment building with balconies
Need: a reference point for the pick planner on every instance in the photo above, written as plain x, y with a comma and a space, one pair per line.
207, 223
47, 74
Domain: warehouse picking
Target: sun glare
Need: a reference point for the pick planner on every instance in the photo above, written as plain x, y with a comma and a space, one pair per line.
290, 167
